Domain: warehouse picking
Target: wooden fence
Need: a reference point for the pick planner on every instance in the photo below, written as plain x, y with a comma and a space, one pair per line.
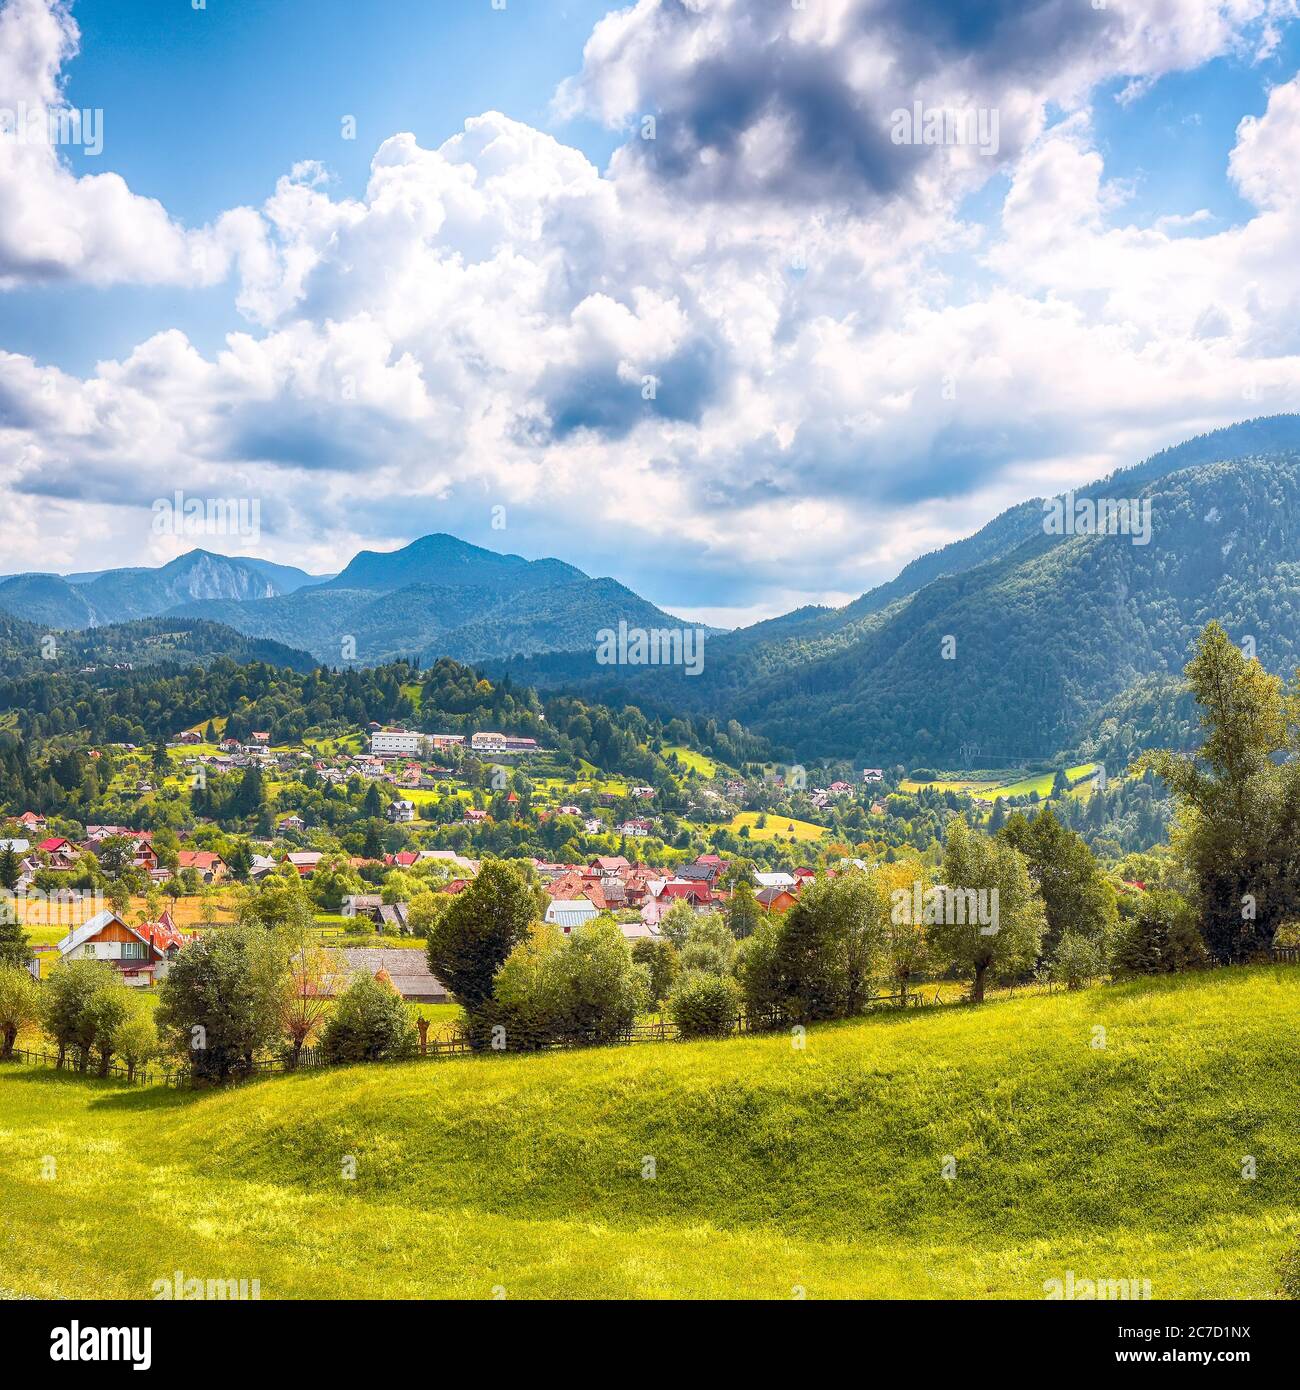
72, 1059
457, 1044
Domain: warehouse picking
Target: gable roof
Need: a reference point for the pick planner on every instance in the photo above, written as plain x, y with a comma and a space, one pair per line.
198, 859
91, 928
572, 914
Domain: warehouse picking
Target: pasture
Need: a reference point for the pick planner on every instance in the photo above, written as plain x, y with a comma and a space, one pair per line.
960, 1152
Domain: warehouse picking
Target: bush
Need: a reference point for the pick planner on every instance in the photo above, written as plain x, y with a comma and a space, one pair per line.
20, 1005
70, 1012
1076, 962
757, 971
135, 1039
370, 1023
704, 1005
709, 946
584, 988
222, 1000
1161, 937
659, 957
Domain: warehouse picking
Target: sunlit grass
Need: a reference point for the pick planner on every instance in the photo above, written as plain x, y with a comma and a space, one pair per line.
774, 1168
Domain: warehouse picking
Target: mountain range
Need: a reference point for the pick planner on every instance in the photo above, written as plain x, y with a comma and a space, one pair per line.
1018, 642
1015, 643
438, 596
116, 596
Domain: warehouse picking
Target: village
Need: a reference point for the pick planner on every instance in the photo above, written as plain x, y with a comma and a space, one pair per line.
96, 893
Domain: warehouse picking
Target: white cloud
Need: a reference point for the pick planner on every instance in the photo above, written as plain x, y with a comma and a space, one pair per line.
57, 226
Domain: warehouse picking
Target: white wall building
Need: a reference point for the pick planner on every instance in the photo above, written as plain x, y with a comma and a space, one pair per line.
392, 742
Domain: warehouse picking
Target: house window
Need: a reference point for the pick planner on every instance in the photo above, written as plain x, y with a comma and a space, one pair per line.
90, 951
133, 950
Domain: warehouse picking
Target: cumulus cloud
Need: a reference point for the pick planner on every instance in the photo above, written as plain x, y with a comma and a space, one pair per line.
60, 227
795, 102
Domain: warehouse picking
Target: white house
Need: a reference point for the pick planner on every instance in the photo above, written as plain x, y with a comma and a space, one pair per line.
774, 880
140, 954
400, 812
569, 914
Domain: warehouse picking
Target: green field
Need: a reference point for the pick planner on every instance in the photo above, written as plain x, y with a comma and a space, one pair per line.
986, 789
776, 1170
688, 758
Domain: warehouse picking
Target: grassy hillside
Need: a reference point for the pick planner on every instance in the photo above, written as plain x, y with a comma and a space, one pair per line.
777, 827
775, 1169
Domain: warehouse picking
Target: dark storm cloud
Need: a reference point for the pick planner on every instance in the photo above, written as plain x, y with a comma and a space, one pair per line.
598, 398
835, 129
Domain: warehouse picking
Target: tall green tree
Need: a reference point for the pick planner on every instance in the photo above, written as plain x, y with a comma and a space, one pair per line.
1077, 896
830, 945
471, 939
20, 1005
14, 949
1003, 935
1237, 835
743, 911
69, 1011
221, 1001
9, 868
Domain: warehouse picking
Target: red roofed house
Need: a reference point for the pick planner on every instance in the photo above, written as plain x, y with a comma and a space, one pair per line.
695, 892
139, 954
609, 865
29, 820
210, 867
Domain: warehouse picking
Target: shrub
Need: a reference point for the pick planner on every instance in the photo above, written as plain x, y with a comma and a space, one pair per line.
222, 999
709, 946
1076, 961
703, 1005
586, 988
68, 1011
757, 971
135, 1039
370, 1023
677, 923
1162, 936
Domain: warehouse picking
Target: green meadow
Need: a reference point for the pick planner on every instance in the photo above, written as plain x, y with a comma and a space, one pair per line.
1103, 1132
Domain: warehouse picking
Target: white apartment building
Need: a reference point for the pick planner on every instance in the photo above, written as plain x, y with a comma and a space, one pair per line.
391, 742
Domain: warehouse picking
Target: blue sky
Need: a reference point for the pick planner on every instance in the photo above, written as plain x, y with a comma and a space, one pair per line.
761, 359
205, 109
